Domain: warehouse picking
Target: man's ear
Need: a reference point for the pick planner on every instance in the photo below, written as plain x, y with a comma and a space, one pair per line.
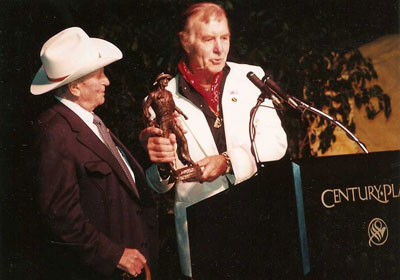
74, 89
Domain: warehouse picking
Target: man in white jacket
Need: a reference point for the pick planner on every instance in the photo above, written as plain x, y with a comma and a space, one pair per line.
217, 98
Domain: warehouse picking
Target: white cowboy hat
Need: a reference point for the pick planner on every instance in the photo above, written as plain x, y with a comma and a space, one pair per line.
70, 55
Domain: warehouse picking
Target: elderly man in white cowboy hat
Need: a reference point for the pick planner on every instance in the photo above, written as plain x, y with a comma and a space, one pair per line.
91, 190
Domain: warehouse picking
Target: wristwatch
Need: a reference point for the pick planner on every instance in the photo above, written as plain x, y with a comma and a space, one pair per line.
228, 162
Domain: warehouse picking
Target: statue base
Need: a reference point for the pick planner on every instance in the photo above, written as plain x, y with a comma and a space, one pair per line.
189, 173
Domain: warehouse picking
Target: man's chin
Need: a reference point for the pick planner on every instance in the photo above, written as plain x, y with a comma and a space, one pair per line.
215, 69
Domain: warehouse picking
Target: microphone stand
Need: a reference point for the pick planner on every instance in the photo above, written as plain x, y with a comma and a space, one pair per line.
252, 129
270, 89
302, 107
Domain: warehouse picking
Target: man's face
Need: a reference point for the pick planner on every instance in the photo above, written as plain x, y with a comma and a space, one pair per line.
164, 82
209, 47
92, 89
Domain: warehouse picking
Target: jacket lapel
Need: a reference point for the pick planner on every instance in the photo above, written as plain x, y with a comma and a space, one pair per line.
87, 137
196, 124
137, 169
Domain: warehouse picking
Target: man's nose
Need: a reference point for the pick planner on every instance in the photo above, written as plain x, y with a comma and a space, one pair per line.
106, 81
218, 48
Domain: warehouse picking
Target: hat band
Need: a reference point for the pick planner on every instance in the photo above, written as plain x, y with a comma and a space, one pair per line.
56, 79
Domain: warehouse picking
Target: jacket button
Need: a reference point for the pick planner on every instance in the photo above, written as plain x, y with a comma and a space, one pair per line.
139, 211
144, 244
234, 99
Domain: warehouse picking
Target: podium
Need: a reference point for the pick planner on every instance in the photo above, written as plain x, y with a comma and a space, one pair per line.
333, 217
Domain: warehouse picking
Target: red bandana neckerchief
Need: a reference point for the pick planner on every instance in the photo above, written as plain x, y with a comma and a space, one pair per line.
210, 95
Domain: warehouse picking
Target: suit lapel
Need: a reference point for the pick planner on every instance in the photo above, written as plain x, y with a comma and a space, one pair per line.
137, 169
87, 137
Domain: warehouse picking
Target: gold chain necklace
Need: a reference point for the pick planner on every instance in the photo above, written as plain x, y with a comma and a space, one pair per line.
218, 120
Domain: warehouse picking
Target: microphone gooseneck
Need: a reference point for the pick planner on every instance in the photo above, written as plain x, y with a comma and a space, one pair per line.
273, 91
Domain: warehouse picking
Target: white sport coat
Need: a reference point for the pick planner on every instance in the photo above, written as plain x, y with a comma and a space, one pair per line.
239, 97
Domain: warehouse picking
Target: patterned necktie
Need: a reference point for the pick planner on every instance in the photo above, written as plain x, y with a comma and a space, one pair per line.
105, 133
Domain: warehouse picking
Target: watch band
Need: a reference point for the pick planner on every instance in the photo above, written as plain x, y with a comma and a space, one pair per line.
228, 162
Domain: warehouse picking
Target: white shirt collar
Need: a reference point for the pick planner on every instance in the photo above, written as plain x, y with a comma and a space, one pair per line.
85, 115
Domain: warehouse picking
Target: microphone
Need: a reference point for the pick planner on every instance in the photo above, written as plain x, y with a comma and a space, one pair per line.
272, 90
265, 90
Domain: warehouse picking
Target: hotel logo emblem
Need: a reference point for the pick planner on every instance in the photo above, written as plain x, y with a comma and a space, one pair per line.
377, 232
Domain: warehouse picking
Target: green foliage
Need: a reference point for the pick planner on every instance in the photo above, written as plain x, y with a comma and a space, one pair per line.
332, 81
306, 55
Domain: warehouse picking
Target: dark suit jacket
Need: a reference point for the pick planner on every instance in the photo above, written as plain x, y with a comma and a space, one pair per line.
87, 200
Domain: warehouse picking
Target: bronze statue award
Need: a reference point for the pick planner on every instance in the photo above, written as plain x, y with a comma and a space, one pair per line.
163, 104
